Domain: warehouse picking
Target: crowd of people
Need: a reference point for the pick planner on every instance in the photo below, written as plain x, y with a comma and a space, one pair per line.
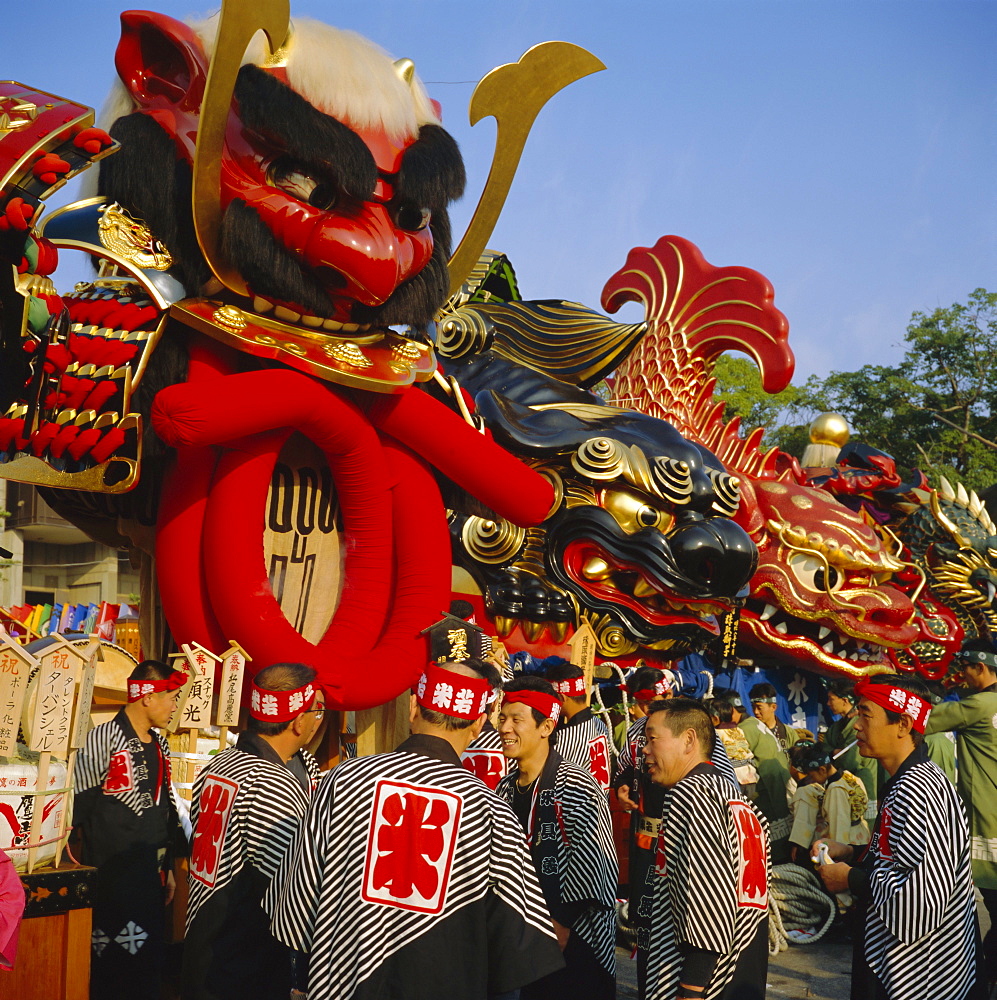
477, 859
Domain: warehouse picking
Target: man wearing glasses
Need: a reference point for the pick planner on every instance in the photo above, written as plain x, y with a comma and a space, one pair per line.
248, 804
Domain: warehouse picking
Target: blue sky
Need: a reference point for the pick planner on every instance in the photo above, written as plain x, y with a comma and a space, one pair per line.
847, 150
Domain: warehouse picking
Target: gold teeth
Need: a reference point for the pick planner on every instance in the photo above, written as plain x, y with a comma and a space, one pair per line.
598, 570
532, 630
285, 315
108, 334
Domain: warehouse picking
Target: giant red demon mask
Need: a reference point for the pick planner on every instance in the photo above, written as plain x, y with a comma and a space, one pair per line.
330, 219
336, 223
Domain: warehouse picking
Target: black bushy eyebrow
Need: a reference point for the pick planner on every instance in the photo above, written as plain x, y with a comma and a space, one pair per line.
284, 118
432, 172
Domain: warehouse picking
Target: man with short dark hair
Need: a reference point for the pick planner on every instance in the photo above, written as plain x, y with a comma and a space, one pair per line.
125, 809
565, 815
641, 796
708, 889
247, 806
410, 878
580, 737
973, 719
914, 880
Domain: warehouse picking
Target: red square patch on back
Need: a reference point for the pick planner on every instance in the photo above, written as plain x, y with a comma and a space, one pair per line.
752, 873
410, 848
214, 809
120, 776
599, 761
488, 765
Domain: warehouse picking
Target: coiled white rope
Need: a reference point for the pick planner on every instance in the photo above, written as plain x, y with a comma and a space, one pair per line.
800, 911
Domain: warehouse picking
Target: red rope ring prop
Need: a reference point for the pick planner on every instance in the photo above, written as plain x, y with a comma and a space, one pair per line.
376, 501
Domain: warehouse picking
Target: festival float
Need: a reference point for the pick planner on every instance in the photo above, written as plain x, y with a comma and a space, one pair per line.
313, 443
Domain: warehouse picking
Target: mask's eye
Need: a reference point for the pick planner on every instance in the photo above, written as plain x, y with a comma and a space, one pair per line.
304, 186
648, 517
411, 218
814, 574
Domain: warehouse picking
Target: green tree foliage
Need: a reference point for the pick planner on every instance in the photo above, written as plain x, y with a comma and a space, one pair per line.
937, 409
739, 385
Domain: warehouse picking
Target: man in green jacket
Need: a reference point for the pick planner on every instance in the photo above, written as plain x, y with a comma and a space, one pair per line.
841, 701
974, 721
769, 739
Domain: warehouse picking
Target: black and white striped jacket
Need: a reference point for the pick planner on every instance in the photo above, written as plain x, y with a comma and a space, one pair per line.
920, 922
584, 740
113, 758
405, 860
245, 812
570, 836
484, 757
708, 887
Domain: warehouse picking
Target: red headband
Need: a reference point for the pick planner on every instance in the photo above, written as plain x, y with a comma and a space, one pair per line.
545, 704
895, 699
574, 687
660, 689
453, 694
280, 706
139, 689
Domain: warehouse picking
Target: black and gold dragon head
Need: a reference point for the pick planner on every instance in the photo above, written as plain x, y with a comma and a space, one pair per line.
953, 539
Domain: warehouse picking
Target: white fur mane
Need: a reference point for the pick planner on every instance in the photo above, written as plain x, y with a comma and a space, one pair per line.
340, 72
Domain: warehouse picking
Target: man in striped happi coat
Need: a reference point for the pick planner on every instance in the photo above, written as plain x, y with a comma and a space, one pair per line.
708, 888
125, 809
580, 737
566, 818
409, 877
920, 936
638, 794
247, 806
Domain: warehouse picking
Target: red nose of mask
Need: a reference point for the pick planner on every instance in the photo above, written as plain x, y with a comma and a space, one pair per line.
368, 250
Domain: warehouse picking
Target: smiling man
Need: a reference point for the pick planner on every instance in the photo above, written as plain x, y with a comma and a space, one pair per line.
707, 894
566, 818
125, 809
919, 938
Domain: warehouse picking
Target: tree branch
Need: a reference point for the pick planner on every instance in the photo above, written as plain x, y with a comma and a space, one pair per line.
963, 430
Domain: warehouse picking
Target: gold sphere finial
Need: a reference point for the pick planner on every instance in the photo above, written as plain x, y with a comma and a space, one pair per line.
830, 428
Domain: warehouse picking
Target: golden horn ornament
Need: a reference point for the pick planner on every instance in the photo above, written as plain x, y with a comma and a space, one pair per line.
513, 95
238, 22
